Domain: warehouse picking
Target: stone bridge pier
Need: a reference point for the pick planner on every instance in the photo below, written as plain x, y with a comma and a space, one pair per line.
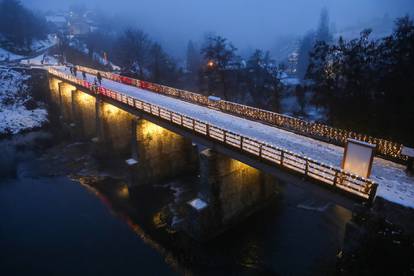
54, 91
154, 153
65, 101
62, 104
162, 154
231, 191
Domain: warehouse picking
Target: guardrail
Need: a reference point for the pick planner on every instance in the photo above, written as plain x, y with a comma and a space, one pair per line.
332, 176
385, 148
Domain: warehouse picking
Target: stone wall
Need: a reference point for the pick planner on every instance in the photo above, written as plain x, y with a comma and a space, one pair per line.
231, 189
54, 91
162, 154
85, 114
115, 131
66, 104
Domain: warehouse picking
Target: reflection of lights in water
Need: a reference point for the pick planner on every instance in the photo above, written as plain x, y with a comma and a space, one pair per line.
123, 192
342, 214
250, 255
159, 219
168, 256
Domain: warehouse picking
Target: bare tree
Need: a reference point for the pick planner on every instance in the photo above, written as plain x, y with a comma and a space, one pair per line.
132, 49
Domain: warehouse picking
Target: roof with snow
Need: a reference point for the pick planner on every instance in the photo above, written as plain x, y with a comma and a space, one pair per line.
56, 19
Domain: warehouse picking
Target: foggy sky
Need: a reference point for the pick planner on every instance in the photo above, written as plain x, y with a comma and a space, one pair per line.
247, 23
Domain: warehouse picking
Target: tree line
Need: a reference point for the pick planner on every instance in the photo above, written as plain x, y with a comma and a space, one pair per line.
367, 83
19, 26
214, 68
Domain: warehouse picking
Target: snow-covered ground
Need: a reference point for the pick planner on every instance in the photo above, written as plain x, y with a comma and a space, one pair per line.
290, 81
394, 183
36, 47
41, 45
82, 47
8, 56
14, 115
290, 106
37, 61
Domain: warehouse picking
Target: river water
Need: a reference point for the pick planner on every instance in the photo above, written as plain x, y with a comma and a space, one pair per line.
63, 213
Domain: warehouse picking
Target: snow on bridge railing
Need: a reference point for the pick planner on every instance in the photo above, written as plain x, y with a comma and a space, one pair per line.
332, 176
385, 148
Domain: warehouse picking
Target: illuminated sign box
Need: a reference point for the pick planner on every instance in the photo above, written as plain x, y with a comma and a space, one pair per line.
358, 157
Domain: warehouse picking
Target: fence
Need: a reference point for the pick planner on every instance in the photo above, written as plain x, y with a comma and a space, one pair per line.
332, 176
323, 132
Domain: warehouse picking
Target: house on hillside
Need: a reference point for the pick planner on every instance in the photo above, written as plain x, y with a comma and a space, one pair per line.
57, 20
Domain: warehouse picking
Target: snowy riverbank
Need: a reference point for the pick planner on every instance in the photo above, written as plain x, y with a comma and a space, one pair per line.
18, 111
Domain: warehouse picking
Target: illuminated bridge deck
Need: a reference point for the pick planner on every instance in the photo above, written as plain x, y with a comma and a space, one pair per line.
393, 182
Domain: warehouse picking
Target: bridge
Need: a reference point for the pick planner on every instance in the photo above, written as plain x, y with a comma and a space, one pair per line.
240, 150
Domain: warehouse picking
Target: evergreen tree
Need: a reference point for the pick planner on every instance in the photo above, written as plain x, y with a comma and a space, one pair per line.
218, 56
306, 45
161, 67
262, 80
193, 59
366, 84
19, 25
323, 32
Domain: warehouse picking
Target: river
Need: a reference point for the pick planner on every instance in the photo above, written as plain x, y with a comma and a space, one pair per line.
62, 213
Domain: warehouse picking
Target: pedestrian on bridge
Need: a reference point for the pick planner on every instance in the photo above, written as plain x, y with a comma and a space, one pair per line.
99, 78
84, 75
74, 70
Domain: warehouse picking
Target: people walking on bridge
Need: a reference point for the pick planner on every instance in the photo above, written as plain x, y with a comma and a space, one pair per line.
84, 75
74, 70
99, 78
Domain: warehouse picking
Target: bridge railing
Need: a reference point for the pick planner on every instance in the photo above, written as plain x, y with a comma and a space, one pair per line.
385, 148
329, 175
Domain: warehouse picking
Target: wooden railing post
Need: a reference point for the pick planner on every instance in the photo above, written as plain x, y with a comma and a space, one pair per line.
335, 178
306, 167
373, 192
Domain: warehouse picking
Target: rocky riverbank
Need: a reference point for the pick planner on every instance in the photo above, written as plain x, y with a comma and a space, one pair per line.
378, 241
20, 108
